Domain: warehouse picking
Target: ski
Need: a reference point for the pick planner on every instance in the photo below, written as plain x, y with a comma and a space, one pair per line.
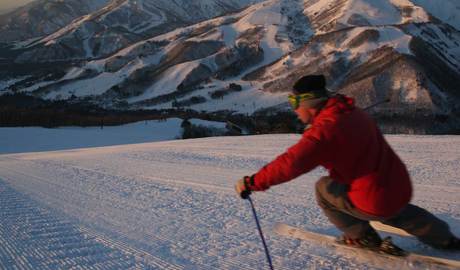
388, 229
412, 257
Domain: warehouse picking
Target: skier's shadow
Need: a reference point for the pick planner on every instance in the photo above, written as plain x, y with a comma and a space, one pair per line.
412, 244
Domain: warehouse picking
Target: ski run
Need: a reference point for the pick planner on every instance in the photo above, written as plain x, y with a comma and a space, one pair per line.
171, 205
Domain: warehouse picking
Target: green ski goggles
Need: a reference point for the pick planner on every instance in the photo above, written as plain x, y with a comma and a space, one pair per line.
295, 100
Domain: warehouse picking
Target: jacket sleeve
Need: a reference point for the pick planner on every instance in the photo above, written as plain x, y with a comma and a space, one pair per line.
300, 158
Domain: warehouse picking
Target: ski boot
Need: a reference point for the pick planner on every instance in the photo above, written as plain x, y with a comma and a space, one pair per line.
372, 241
453, 245
388, 247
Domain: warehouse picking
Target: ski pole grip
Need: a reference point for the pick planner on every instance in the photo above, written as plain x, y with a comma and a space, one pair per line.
245, 194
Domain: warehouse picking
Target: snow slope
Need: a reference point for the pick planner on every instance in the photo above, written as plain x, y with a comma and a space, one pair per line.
121, 23
273, 40
37, 139
40, 18
171, 205
447, 12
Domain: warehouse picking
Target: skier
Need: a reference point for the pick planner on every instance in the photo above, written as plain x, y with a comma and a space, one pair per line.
367, 180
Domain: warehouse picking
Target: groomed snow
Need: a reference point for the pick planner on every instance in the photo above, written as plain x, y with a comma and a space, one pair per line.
171, 205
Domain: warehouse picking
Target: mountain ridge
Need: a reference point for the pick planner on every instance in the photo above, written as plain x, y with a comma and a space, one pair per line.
370, 49
119, 24
43, 17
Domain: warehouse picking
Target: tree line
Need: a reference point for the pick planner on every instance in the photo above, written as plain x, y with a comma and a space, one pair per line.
20, 110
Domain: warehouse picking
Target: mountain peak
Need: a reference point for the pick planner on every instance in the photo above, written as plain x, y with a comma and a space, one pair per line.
327, 15
246, 60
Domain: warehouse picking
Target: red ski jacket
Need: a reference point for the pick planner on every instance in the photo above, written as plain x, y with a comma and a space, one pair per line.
347, 142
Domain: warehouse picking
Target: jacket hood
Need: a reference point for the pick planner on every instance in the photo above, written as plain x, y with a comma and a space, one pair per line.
337, 104
340, 103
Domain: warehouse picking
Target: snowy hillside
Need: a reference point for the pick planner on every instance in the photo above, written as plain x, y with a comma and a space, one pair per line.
448, 11
37, 139
171, 205
43, 17
223, 47
404, 51
120, 23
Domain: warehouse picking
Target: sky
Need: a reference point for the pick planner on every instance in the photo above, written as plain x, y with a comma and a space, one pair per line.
7, 5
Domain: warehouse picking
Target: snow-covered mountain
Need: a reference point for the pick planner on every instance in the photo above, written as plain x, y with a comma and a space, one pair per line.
43, 17
121, 23
447, 11
405, 51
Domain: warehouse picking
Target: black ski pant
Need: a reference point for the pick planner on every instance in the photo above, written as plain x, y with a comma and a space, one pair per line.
333, 199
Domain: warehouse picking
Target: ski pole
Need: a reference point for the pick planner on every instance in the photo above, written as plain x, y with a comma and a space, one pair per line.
246, 195
376, 104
